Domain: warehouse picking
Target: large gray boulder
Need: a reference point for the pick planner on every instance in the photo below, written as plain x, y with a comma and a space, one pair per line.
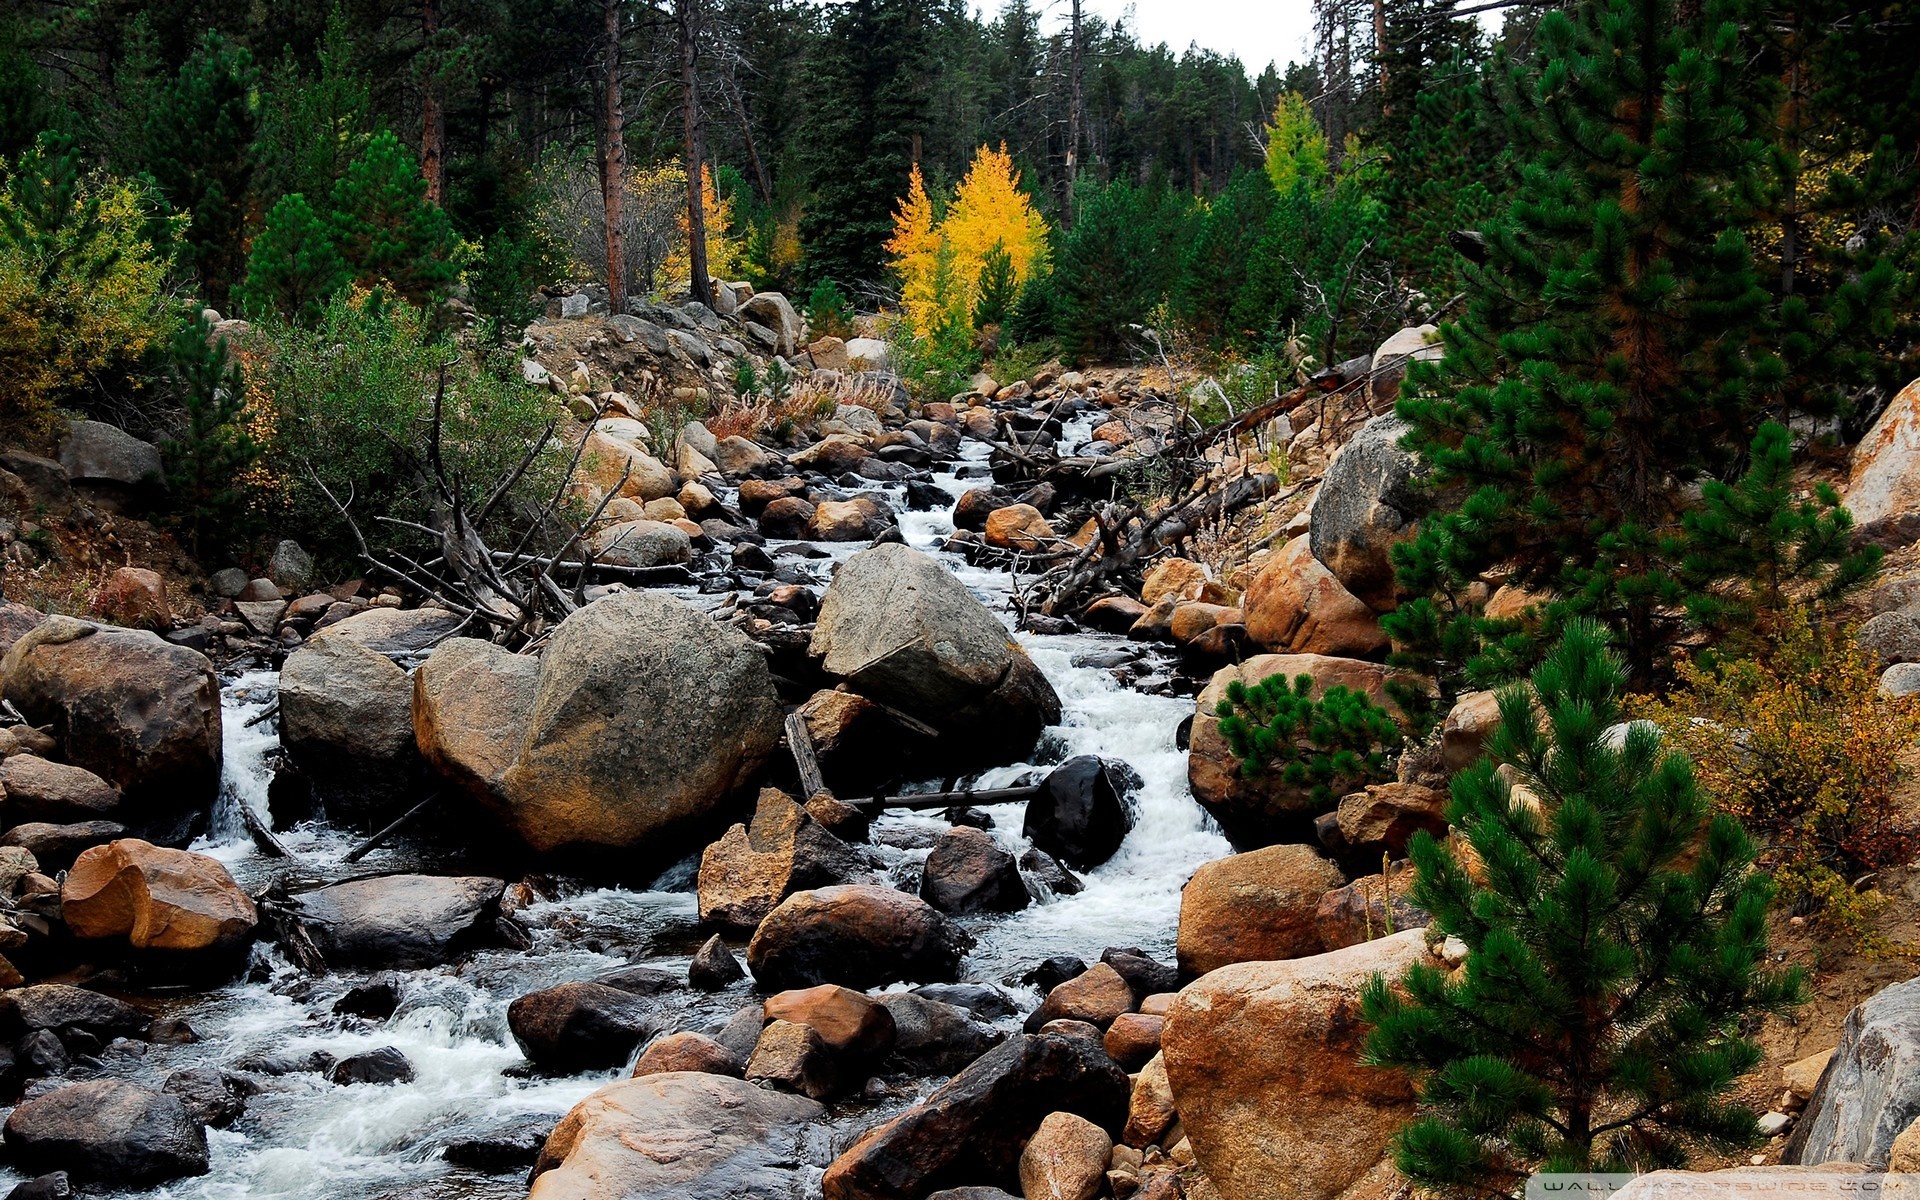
95, 452
648, 715
772, 311
471, 701
680, 1135
139, 712
900, 629
641, 544
398, 632
346, 719
110, 1132
402, 921
1870, 1091
1367, 502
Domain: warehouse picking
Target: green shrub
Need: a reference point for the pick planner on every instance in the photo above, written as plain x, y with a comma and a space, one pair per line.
828, 311
211, 457
1328, 747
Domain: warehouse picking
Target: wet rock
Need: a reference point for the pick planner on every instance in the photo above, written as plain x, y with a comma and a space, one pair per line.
1046, 870
898, 627
209, 1096
933, 1038
1295, 605
384, 1065
855, 520
714, 968
647, 716
1264, 1058
62, 1009
471, 702
786, 519
1368, 501
156, 900
975, 1126
1150, 1106
686, 1051
679, 1136
138, 712
1066, 1160
969, 872
1081, 816
580, 1026
644, 543
1018, 527
1870, 1090
1253, 907
754, 867
856, 1029
860, 746
108, 1131
1144, 974
54, 793
856, 935
1132, 1039
795, 1058
1096, 996
510, 1149
986, 1003
1050, 973
836, 454
377, 999
40, 1054
313, 1062
1114, 614
398, 920
55, 1185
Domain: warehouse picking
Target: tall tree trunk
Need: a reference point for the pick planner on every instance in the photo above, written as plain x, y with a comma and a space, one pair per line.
613, 158
762, 182
686, 15
1074, 76
433, 111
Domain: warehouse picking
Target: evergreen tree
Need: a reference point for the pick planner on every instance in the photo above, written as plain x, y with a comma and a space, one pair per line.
1616, 949
207, 461
24, 107
999, 289
1116, 264
386, 229
1614, 345
294, 266
1225, 294
313, 124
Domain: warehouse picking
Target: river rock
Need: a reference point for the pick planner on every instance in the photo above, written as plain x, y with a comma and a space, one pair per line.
1367, 503
620, 467
687, 1051
1384, 817
1870, 1090
1096, 996
754, 867
648, 715
61, 1008
471, 702
835, 454
110, 1132
641, 543
1257, 906
1081, 816
1369, 908
154, 899
974, 1127
1180, 578
855, 1028
142, 714
855, 520
856, 935
740, 457
1264, 1060
398, 920
1066, 1160
383, 1065
1295, 605
1150, 1106
1884, 476
580, 1026
55, 847
898, 627
714, 968
859, 745
133, 597
1018, 527
211, 1096
403, 633
935, 1038
346, 720
1261, 811
38, 790
969, 872
795, 1058
96, 452
1133, 1039
678, 1136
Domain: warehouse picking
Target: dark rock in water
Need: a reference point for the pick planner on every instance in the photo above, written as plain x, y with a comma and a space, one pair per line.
64, 1009
313, 1062
987, 1003
56, 846
975, 818
795, 1058
1053, 972
378, 998
385, 1065
1145, 975
1037, 623
211, 1098
858, 936
968, 872
580, 1026
641, 981
55, 1186
714, 968
510, 1148
398, 920
41, 1053
1081, 816
1047, 869
975, 1125
749, 557
742, 1031
926, 497
108, 1131
172, 1031
933, 1038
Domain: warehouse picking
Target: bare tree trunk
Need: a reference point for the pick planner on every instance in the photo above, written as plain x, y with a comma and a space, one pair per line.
686, 17
613, 159
433, 111
762, 181
1380, 46
1074, 77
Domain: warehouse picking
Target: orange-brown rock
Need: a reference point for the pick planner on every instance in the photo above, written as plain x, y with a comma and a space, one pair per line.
155, 899
1264, 1060
133, 597
1150, 1106
1296, 606
1113, 433
1097, 997
1368, 908
1065, 1160
1178, 577
751, 868
1114, 614
471, 700
685, 1051
1018, 527
855, 520
1464, 734
1385, 816
1194, 618
1133, 1038
1257, 906
852, 1025
606, 460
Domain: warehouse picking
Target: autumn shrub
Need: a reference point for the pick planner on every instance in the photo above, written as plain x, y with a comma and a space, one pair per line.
1799, 744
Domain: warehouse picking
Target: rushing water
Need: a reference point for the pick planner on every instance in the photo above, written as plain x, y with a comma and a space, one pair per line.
306, 1139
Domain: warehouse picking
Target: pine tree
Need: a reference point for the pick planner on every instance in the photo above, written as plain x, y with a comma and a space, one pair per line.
1296, 147
294, 266
1226, 294
207, 461
1116, 264
1614, 344
1616, 948
313, 124
999, 289
386, 229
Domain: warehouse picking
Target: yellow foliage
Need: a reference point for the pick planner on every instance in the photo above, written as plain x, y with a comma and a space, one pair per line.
1296, 148
77, 316
940, 263
723, 250
1800, 745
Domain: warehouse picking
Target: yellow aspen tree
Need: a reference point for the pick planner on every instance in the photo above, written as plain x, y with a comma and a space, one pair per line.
723, 251
915, 249
1296, 148
989, 209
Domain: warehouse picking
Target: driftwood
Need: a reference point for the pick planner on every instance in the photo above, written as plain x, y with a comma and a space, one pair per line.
800, 743
396, 825
263, 837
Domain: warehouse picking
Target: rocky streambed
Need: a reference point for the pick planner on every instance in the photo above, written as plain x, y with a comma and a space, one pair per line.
410, 1081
